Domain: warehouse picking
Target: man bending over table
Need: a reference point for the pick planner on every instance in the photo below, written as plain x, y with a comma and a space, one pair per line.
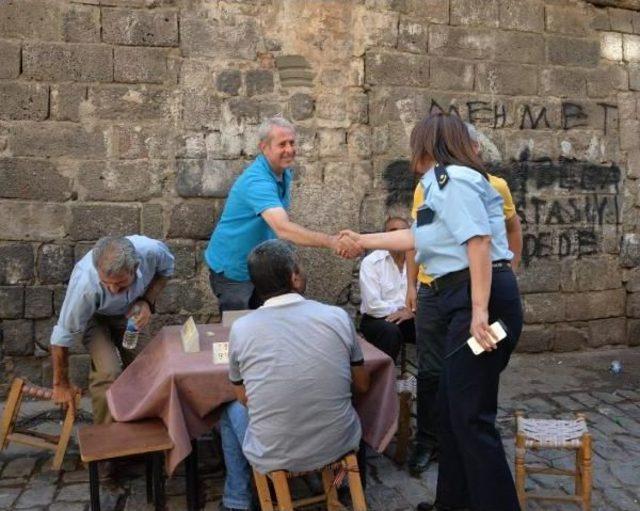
117, 279
292, 362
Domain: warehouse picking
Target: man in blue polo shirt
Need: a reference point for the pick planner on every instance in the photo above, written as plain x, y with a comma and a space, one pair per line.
255, 211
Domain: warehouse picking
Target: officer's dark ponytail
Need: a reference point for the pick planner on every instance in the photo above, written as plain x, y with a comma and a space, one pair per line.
444, 139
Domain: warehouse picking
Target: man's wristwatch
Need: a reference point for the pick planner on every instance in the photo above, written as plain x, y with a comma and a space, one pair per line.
152, 306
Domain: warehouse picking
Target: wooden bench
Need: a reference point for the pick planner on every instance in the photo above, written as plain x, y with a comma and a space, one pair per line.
332, 476
102, 442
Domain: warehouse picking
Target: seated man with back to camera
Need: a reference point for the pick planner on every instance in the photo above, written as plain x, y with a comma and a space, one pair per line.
386, 321
293, 363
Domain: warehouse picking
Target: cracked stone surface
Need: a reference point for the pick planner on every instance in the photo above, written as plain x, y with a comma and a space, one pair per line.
543, 385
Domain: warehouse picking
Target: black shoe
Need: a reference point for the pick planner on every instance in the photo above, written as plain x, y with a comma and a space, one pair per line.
420, 459
427, 506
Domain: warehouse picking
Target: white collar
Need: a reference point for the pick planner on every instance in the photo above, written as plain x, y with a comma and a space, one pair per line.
378, 255
284, 299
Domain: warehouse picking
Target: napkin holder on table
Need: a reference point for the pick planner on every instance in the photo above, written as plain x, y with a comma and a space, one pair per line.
190, 337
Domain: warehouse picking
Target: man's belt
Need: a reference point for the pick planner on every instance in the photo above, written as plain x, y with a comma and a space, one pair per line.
457, 277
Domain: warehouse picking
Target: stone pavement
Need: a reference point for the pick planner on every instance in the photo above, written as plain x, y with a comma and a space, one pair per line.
544, 385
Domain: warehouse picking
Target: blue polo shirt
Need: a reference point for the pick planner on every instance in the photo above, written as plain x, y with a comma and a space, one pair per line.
241, 226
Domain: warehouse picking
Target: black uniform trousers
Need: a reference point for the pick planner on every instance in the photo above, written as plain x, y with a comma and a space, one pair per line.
431, 332
473, 470
387, 336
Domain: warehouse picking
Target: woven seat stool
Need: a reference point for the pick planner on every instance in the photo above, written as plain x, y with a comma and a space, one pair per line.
573, 435
332, 476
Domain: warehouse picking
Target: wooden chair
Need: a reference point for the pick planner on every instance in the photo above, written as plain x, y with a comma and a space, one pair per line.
332, 475
102, 442
9, 433
572, 435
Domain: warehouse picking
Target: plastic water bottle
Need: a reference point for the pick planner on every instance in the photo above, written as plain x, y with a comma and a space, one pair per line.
130, 338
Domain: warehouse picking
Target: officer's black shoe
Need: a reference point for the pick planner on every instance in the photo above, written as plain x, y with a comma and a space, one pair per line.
427, 506
420, 459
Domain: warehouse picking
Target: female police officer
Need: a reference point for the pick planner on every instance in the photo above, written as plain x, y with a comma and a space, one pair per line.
459, 234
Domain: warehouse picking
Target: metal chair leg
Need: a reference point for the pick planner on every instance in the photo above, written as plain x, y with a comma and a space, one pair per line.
94, 486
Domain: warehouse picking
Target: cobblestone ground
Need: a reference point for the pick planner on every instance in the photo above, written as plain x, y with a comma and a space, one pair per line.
546, 386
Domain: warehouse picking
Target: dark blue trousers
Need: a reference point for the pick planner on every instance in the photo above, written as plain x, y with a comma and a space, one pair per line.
473, 470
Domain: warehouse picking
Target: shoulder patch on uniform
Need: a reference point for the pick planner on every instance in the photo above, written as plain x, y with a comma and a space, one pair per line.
442, 177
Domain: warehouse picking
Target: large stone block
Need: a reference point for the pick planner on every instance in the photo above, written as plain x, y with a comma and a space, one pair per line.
563, 82
152, 221
518, 47
567, 19
571, 51
245, 110
332, 142
358, 108
475, 12
332, 107
181, 297
33, 220
137, 64
229, 81
11, 302
607, 331
449, 74
461, 42
539, 276
373, 28
17, 335
386, 68
633, 305
543, 308
90, 222
9, 59
62, 62
535, 338
140, 27
52, 139
31, 19
135, 180
607, 79
629, 135
508, 79
59, 293
229, 38
569, 338
435, 11
632, 279
526, 16
66, 100
32, 179
202, 111
594, 273
301, 106
611, 45
38, 302
193, 219
631, 47
630, 253
359, 142
412, 35
129, 102
595, 304
55, 263
206, 178
81, 24
258, 81
42, 329
23, 101
621, 20
17, 263
633, 332
185, 258
138, 142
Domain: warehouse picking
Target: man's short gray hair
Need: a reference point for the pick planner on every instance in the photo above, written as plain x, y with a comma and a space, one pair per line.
114, 255
277, 121
473, 132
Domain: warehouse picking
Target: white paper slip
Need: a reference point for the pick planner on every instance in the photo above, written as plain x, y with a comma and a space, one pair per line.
499, 332
190, 337
220, 352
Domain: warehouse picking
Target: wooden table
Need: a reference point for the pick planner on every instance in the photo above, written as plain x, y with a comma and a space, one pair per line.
186, 391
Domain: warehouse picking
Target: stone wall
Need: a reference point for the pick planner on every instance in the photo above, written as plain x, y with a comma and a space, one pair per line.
122, 116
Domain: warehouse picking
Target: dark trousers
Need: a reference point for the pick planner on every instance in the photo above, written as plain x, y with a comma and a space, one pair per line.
473, 471
431, 331
233, 295
387, 336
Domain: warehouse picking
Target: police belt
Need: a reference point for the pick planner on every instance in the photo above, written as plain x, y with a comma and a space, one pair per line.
457, 277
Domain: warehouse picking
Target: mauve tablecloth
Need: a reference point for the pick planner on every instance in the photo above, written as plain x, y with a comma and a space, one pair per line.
186, 390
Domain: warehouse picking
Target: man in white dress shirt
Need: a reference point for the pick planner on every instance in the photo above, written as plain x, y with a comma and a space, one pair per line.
386, 321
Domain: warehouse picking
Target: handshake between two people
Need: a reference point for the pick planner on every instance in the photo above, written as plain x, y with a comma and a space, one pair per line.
348, 244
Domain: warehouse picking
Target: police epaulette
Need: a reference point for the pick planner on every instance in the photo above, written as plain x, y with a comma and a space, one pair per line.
442, 177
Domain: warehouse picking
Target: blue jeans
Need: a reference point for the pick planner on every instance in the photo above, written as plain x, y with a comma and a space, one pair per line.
232, 294
237, 484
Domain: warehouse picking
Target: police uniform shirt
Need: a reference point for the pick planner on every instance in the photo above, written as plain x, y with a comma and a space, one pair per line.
459, 204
